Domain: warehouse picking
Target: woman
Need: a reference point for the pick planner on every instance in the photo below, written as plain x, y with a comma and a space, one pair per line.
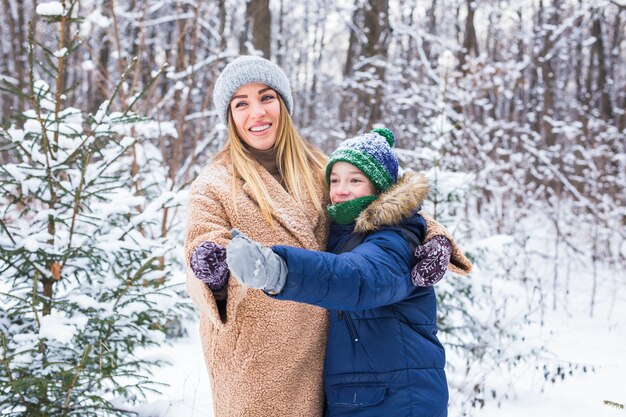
265, 357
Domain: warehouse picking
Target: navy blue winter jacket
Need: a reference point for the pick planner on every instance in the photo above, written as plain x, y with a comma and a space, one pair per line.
383, 357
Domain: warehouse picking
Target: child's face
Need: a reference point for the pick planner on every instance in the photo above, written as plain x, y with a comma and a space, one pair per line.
347, 182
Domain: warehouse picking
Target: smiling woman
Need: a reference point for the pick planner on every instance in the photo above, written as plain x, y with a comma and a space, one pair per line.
255, 112
264, 357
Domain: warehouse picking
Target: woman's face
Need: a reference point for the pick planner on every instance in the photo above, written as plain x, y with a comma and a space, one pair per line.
347, 182
256, 110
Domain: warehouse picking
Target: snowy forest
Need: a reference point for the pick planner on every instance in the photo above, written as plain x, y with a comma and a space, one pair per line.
514, 110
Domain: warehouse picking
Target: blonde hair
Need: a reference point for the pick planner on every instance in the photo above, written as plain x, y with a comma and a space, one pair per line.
299, 163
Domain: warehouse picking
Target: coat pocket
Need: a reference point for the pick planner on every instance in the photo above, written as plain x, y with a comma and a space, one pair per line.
356, 395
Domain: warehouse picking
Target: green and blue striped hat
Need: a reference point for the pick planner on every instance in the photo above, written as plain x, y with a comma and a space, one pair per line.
372, 153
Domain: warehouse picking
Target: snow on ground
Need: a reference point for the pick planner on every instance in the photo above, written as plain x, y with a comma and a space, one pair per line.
598, 342
571, 336
189, 392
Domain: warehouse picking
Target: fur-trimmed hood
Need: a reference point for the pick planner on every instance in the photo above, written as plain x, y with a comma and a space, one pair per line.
400, 201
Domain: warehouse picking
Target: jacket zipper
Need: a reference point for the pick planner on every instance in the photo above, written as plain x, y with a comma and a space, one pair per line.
351, 328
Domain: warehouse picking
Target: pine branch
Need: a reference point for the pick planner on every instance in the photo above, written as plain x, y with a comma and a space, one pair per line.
11, 89
7, 231
76, 204
120, 83
73, 383
5, 362
30, 264
19, 145
151, 81
34, 301
134, 278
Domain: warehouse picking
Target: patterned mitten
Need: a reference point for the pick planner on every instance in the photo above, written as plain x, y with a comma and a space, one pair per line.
208, 263
433, 258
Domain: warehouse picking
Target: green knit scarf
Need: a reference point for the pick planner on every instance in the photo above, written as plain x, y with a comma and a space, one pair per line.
348, 211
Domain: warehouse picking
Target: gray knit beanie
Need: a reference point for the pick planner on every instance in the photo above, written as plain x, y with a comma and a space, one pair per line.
245, 70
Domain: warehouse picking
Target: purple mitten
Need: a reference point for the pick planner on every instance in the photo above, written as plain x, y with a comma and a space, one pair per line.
208, 263
433, 258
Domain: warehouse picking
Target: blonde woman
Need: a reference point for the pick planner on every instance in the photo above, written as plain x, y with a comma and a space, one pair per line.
265, 357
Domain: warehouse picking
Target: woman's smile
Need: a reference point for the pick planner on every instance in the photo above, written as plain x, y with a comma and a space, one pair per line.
256, 111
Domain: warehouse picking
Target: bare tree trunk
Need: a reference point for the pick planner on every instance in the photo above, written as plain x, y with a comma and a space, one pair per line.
617, 62
365, 66
178, 107
258, 30
621, 122
280, 52
16, 63
594, 263
319, 47
303, 60
470, 44
457, 25
353, 44
547, 73
517, 110
346, 110
597, 60
499, 108
492, 44
115, 34
557, 264
100, 86
222, 28
431, 24
578, 65
138, 37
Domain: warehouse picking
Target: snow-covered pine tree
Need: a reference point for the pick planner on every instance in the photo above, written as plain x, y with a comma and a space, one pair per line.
84, 266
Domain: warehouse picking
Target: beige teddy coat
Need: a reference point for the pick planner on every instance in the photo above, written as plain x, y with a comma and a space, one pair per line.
266, 357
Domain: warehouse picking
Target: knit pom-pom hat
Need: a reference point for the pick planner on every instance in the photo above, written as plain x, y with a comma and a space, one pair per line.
371, 153
245, 70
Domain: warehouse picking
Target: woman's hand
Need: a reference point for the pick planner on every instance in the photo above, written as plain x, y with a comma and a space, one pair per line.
433, 258
208, 263
254, 265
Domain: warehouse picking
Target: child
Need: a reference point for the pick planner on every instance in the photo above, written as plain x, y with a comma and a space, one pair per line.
383, 357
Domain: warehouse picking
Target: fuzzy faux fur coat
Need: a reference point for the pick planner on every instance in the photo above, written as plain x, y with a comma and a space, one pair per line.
265, 357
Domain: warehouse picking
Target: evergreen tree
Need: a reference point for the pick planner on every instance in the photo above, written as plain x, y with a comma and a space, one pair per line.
83, 255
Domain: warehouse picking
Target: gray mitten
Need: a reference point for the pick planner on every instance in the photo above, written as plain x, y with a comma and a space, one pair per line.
254, 265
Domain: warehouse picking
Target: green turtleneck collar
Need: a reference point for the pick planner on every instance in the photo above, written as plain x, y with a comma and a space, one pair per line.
348, 211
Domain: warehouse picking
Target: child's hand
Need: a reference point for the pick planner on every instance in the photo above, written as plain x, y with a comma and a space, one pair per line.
433, 258
254, 265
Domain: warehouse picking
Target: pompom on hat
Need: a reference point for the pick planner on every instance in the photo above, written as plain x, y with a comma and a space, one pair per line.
244, 70
372, 153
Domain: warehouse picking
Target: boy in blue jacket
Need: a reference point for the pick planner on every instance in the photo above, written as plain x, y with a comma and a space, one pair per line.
383, 357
